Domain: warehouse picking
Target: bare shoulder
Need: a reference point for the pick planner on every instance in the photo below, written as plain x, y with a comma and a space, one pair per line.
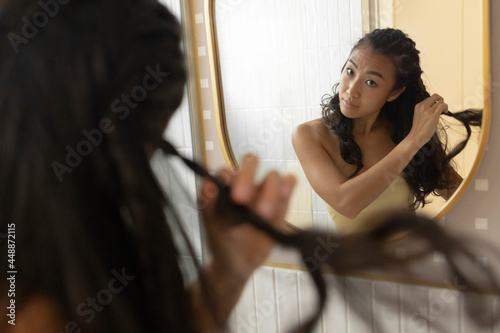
311, 131
315, 133
39, 314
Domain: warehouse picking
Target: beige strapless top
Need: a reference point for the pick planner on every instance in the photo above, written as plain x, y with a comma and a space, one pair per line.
398, 196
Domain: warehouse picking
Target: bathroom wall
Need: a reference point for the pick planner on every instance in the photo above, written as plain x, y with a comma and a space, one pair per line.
172, 174
276, 298
452, 60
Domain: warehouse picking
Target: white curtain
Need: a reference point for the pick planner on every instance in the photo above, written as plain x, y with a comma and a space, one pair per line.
278, 59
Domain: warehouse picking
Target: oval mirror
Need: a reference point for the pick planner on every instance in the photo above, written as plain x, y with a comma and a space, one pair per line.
272, 62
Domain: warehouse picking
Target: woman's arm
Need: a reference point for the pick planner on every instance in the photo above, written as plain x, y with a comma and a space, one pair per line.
237, 249
349, 196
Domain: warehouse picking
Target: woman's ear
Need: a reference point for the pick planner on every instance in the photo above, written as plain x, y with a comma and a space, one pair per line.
395, 94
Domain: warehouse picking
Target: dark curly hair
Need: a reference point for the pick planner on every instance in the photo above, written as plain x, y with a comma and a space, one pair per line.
79, 229
429, 168
58, 89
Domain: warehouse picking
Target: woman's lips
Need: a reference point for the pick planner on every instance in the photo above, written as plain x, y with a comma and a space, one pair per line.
348, 105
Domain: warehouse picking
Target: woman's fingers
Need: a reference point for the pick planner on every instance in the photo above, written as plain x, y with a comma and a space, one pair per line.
441, 107
242, 185
434, 104
273, 197
268, 199
432, 100
285, 192
239, 248
426, 118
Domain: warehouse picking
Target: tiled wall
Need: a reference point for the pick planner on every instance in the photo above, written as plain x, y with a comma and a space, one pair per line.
277, 298
172, 174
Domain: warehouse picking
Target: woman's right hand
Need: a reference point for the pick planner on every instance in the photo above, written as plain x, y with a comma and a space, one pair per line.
426, 118
238, 248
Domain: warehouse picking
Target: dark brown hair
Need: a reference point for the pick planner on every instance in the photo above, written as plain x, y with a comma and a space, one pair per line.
76, 179
74, 171
428, 169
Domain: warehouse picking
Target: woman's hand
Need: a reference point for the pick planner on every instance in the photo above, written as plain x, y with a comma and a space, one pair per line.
238, 248
426, 118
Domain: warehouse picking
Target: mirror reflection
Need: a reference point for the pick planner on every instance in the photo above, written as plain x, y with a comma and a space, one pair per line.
279, 61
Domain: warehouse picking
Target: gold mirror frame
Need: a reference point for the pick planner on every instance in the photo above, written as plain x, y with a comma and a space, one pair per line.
219, 108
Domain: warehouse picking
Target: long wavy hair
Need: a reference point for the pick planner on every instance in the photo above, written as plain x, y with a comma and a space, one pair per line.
76, 181
429, 168
74, 167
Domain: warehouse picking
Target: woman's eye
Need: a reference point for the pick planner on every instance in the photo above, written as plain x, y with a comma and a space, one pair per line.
349, 71
371, 83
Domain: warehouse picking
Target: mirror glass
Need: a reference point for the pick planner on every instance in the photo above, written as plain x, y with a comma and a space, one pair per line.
278, 58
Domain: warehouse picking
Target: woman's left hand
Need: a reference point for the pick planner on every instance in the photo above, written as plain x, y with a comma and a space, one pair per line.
426, 118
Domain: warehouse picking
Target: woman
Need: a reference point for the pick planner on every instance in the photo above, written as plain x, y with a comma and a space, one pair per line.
83, 105
377, 147
93, 249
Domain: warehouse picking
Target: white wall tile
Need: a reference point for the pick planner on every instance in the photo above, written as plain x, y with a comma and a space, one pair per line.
246, 314
335, 315
288, 315
481, 223
199, 18
386, 312
266, 306
207, 114
481, 184
414, 302
360, 305
202, 51
444, 306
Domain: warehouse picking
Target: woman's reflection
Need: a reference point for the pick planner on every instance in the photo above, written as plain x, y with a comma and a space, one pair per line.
379, 146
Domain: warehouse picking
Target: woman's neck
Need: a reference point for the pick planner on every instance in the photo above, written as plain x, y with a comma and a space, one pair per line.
367, 125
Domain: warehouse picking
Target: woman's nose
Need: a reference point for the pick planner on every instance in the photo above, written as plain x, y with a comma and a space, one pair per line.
353, 88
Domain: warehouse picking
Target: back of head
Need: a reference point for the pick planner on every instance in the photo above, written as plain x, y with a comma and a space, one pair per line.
85, 88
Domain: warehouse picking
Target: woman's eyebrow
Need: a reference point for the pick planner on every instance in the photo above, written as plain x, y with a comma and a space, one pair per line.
376, 74
368, 72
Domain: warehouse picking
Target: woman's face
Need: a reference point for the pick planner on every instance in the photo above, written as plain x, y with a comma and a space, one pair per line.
366, 84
